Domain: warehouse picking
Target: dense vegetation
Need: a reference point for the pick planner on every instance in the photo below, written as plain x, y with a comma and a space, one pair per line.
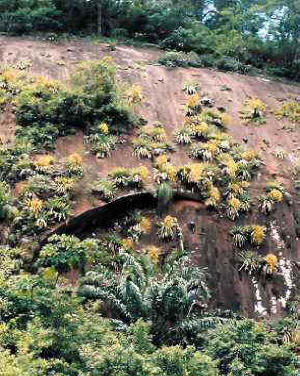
112, 304
230, 35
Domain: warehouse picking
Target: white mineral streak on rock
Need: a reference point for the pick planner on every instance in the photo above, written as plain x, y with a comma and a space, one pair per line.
285, 269
284, 266
276, 237
258, 307
273, 305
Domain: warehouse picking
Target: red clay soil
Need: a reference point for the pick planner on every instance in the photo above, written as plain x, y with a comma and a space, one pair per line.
163, 101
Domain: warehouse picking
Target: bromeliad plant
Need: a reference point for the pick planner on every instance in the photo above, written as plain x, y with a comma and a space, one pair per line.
119, 179
169, 229
253, 111
289, 110
275, 194
100, 141
246, 235
152, 141
250, 262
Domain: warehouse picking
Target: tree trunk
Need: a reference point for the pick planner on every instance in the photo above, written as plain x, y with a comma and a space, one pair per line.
99, 17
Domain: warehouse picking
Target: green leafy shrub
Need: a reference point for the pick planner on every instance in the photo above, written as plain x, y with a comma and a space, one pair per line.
247, 347
63, 253
105, 188
5, 199
174, 59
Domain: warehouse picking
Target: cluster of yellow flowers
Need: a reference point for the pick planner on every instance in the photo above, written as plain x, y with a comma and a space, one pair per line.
275, 195
193, 101
145, 224
169, 221
291, 110
196, 171
134, 94
161, 163
45, 160
127, 243
255, 104
154, 253
271, 261
103, 128
75, 159
234, 203
35, 205
257, 234
199, 129
231, 167
214, 196
248, 155
142, 171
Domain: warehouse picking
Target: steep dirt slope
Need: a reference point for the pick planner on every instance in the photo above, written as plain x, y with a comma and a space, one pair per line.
163, 101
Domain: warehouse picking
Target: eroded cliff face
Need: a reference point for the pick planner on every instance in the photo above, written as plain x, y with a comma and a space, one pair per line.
210, 245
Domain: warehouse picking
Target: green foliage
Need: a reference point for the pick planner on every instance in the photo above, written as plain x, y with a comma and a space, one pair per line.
47, 109
105, 188
247, 348
4, 199
63, 253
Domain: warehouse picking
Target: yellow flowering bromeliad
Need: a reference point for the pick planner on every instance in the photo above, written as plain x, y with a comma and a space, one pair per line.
45, 160
160, 162
234, 205
272, 262
35, 205
255, 103
275, 195
258, 234
231, 168
196, 172
75, 159
214, 197
142, 171
193, 101
249, 155
127, 243
145, 224
154, 253
168, 228
103, 128
171, 173
134, 94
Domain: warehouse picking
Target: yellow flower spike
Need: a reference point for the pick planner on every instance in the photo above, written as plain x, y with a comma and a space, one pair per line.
134, 94
196, 172
160, 161
171, 172
75, 159
271, 261
127, 243
215, 194
234, 203
35, 205
193, 101
145, 224
248, 155
276, 195
231, 168
154, 253
45, 161
103, 128
142, 171
258, 234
